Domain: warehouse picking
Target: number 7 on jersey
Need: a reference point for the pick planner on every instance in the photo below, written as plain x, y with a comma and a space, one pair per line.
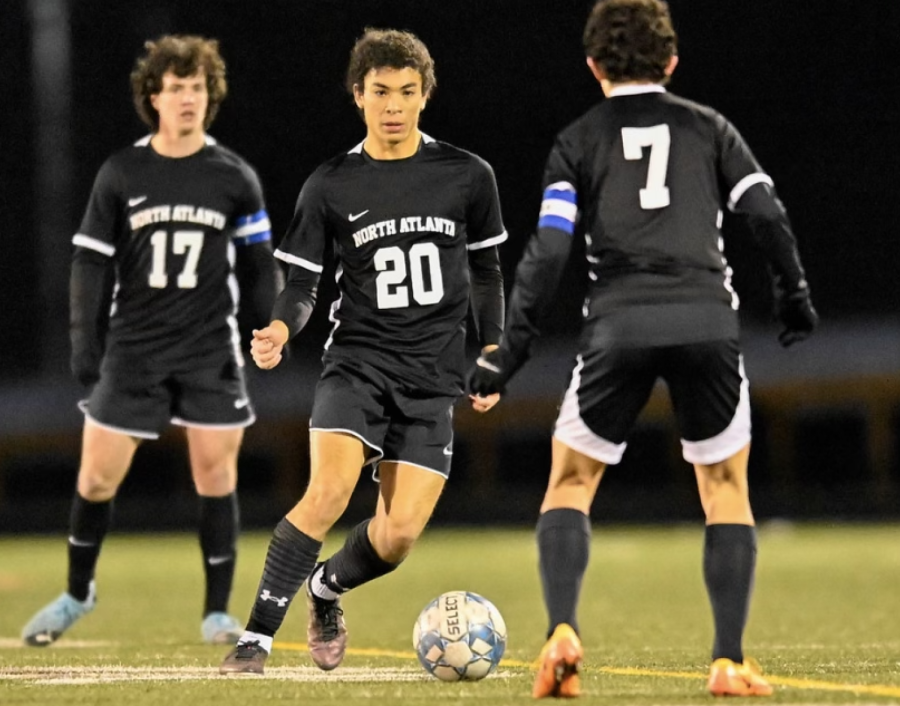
655, 194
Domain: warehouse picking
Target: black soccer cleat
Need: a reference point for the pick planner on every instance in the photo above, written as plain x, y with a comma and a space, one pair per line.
246, 658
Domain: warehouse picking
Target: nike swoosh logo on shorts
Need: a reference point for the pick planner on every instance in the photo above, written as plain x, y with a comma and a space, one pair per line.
356, 216
137, 200
216, 560
241, 403
80, 543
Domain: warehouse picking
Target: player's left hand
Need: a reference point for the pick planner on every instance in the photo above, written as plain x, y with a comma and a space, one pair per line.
489, 376
484, 404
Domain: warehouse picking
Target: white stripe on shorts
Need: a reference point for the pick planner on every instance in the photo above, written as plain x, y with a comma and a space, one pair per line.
574, 433
726, 443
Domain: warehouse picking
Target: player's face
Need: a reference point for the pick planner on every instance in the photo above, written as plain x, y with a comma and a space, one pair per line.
181, 103
391, 101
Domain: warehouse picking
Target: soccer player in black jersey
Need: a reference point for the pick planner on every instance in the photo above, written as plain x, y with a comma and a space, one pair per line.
645, 175
412, 224
171, 221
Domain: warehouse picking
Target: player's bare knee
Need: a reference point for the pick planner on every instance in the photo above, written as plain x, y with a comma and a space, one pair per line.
96, 488
398, 542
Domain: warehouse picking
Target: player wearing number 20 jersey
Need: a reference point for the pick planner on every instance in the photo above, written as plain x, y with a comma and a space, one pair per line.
401, 232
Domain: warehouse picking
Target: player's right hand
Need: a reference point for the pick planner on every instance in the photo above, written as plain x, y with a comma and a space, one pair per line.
797, 314
267, 345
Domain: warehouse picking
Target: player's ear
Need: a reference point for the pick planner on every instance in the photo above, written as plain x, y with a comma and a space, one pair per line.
358, 95
596, 69
670, 67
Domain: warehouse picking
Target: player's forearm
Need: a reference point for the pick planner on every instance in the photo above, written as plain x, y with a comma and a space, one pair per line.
771, 228
260, 279
295, 304
89, 299
537, 280
775, 237
488, 302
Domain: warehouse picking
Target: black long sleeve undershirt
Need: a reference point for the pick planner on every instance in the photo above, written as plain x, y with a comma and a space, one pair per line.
297, 300
90, 293
771, 228
260, 278
537, 280
488, 303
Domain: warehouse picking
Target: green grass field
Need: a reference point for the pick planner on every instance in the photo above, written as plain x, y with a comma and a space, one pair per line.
824, 622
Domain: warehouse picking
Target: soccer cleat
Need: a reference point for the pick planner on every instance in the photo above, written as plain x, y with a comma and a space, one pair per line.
560, 662
220, 628
326, 633
728, 678
56, 617
246, 658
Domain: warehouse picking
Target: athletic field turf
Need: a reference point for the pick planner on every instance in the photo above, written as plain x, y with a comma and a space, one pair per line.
824, 623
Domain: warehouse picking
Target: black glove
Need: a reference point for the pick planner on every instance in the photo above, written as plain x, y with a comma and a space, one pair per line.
796, 312
490, 374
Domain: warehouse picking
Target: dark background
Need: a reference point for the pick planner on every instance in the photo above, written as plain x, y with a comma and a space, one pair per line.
811, 87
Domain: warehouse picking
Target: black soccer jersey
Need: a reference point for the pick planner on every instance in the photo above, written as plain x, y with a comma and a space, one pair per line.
399, 231
648, 173
171, 227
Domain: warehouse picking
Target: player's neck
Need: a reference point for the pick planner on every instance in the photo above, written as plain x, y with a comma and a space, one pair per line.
170, 143
383, 150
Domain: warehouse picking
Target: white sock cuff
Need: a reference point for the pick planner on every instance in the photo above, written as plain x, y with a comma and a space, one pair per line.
265, 641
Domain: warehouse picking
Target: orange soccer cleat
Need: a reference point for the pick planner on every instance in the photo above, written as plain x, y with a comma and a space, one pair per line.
728, 678
560, 661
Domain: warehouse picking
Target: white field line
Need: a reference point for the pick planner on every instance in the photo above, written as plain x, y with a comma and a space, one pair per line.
16, 643
111, 674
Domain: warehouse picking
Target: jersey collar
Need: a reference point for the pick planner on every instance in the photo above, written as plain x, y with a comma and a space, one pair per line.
637, 89
425, 140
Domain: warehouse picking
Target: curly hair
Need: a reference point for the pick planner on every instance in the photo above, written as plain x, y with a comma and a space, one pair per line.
631, 40
183, 55
389, 48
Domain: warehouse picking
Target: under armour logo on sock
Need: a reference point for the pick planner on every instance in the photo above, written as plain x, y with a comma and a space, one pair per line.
266, 596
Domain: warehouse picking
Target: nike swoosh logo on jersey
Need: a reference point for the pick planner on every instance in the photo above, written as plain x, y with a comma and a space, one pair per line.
241, 403
135, 201
354, 216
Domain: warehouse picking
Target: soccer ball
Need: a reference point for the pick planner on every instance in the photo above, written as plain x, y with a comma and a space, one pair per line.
459, 636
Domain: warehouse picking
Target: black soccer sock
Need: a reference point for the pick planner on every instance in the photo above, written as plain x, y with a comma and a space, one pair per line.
729, 560
564, 543
88, 524
356, 562
290, 559
219, 526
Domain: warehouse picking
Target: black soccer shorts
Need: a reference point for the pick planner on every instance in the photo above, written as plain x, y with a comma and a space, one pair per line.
610, 386
143, 403
396, 423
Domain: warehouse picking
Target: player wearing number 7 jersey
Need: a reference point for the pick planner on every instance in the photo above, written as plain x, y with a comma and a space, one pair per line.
412, 225
644, 177
171, 222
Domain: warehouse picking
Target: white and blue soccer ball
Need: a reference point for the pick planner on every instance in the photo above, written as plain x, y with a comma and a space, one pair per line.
459, 636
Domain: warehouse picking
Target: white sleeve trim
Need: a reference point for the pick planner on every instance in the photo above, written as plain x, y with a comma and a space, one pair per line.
481, 244
741, 187
299, 261
86, 241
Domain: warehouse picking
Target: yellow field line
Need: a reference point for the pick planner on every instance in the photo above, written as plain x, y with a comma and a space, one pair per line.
809, 684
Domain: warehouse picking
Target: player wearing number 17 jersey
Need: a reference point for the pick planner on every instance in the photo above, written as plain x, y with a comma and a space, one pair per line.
644, 176
173, 222
412, 225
